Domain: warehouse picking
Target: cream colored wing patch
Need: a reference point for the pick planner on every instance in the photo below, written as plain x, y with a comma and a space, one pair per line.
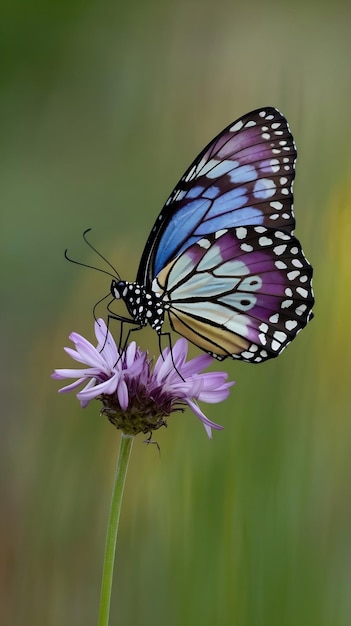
207, 337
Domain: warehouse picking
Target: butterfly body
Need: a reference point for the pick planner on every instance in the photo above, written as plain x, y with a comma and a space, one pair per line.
221, 260
145, 307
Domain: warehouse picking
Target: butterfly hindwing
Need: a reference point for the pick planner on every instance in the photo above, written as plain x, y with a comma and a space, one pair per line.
244, 292
243, 177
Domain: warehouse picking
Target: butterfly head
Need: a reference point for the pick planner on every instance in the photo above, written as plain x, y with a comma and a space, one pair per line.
119, 289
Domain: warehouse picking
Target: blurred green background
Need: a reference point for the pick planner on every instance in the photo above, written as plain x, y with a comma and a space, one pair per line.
103, 106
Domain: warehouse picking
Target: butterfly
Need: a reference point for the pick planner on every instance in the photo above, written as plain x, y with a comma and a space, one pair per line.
221, 261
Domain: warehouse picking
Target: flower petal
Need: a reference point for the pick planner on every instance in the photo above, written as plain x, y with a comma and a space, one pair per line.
74, 373
130, 354
101, 333
122, 392
208, 424
196, 365
72, 386
85, 353
85, 401
179, 352
107, 387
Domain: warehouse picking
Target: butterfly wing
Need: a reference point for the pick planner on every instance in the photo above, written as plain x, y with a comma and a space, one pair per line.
243, 292
243, 177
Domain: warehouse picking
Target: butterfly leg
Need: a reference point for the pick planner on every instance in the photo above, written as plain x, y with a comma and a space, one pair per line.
122, 320
130, 331
119, 318
170, 345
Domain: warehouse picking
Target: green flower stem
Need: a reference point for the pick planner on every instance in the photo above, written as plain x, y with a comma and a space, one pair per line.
112, 528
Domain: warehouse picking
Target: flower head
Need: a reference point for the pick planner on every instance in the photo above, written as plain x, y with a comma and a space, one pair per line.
137, 396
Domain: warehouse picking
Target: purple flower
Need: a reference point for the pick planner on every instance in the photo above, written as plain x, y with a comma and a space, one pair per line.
137, 396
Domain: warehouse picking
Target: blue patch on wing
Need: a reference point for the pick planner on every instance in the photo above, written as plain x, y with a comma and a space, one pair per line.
195, 192
229, 201
211, 192
178, 230
208, 213
238, 217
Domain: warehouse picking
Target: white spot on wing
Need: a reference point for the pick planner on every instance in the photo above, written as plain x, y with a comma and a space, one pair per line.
237, 126
263, 339
275, 165
204, 243
281, 235
265, 241
241, 232
292, 275
280, 265
247, 355
276, 205
246, 247
278, 250
303, 292
290, 324
280, 336
220, 233
301, 309
264, 188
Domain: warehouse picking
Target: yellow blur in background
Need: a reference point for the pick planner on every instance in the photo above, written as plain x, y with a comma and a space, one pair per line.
103, 107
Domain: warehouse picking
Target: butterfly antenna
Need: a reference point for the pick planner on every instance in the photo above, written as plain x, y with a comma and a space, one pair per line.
91, 267
116, 274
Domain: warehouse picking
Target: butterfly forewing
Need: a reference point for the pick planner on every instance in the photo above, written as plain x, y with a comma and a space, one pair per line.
243, 177
244, 293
